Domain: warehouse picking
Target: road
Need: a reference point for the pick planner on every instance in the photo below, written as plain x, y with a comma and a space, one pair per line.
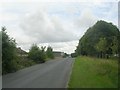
51, 74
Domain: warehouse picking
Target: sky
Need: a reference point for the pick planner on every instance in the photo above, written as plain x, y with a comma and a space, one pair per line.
56, 23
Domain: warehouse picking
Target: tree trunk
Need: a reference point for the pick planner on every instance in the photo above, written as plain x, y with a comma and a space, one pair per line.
101, 54
107, 56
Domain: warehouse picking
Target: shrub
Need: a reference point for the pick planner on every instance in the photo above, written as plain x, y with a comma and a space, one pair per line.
36, 54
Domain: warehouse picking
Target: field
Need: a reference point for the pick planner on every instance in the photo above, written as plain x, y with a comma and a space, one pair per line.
91, 72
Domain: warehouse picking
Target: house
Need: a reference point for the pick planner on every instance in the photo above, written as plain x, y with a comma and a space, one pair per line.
21, 52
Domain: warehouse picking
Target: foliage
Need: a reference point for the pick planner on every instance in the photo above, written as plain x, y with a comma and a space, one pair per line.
8, 53
115, 45
91, 72
73, 55
43, 54
101, 46
24, 62
36, 54
65, 55
91, 42
49, 52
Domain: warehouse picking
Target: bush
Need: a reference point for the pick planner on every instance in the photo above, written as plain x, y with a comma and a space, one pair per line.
24, 62
36, 54
49, 52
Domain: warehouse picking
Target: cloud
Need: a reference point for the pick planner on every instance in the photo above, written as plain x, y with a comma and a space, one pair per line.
43, 28
57, 24
119, 15
61, 1
86, 19
67, 47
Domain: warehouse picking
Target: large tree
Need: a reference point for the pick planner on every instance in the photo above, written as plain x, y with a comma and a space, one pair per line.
88, 41
8, 53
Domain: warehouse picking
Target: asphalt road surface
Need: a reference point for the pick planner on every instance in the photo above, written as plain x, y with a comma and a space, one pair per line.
51, 74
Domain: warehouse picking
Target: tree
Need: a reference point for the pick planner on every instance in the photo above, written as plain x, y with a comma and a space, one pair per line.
8, 53
101, 46
43, 54
36, 54
49, 52
89, 40
115, 45
65, 55
73, 55
33, 52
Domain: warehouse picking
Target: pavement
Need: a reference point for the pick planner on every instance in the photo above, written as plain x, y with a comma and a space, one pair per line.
51, 74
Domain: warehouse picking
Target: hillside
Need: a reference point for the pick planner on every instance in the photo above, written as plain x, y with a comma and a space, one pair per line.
101, 29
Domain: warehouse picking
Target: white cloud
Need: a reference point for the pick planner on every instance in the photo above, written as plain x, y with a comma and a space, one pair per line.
44, 29
7, 17
67, 47
86, 19
56, 24
59, 0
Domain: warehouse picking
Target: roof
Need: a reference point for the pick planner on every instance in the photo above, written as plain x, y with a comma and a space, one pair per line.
20, 51
56, 52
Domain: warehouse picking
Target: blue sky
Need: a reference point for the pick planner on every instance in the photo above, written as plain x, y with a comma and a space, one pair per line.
58, 23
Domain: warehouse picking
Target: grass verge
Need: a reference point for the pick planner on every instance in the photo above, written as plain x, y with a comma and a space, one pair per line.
94, 73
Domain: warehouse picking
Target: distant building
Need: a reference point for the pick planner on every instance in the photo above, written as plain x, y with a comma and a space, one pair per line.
58, 54
21, 52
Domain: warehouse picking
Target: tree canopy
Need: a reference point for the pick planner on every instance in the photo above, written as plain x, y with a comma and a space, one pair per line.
37, 54
49, 52
8, 52
102, 36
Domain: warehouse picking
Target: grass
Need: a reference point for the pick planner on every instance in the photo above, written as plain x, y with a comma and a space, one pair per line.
94, 73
